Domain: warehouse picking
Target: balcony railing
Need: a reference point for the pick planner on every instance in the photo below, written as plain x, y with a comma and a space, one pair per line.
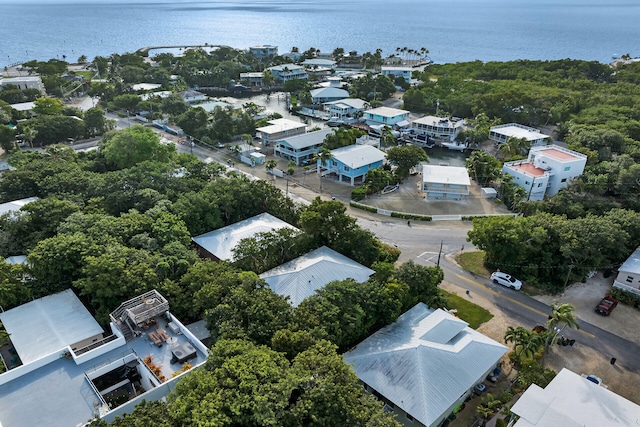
447, 190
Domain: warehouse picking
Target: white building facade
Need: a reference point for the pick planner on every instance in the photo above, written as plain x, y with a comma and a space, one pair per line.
547, 170
287, 72
500, 134
438, 127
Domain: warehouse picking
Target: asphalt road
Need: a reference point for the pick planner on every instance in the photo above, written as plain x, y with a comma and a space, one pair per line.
421, 243
428, 243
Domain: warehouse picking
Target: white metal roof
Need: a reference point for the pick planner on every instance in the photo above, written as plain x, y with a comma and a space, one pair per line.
350, 102
308, 139
356, 156
221, 242
286, 67
451, 175
146, 86
632, 264
302, 277
15, 205
23, 106
280, 125
319, 62
210, 106
444, 122
386, 112
572, 401
48, 324
425, 361
329, 92
519, 131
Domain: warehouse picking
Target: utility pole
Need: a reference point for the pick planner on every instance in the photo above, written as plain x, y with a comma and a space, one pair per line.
439, 253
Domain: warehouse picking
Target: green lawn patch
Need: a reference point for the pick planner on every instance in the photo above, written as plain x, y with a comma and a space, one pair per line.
86, 74
471, 313
473, 262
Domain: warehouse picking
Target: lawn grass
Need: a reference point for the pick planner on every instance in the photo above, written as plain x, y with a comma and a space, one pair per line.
86, 74
473, 262
471, 313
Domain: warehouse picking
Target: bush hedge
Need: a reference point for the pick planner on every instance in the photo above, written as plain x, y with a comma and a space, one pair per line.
626, 297
411, 216
363, 207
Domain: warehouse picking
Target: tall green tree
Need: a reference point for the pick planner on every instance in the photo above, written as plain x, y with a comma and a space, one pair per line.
405, 157
133, 145
562, 316
48, 106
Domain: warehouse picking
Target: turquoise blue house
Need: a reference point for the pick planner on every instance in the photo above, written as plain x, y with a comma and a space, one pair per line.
386, 116
352, 162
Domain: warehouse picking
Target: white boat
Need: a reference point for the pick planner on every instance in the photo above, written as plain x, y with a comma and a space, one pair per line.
456, 145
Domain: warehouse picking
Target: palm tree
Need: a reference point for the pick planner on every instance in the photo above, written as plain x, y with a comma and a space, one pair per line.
386, 136
514, 147
562, 315
270, 165
29, 134
488, 407
324, 156
524, 341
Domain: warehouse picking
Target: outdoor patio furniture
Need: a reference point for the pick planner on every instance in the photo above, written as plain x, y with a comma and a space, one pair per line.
155, 338
162, 334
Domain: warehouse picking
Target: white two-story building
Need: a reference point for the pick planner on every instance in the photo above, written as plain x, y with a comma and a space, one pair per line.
286, 72
500, 134
547, 170
438, 127
385, 116
279, 129
397, 71
301, 148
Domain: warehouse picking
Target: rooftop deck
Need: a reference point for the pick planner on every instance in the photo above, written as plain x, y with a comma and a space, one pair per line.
59, 394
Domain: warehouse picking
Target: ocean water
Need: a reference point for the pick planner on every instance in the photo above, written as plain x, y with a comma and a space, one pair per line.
452, 30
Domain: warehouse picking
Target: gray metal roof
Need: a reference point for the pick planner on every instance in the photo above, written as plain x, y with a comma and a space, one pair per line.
48, 324
350, 102
356, 156
425, 361
572, 401
302, 277
16, 259
199, 330
329, 92
308, 139
221, 242
632, 264
15, 205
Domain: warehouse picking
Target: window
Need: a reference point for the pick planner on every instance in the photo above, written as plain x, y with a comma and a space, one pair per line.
566, 168
526, 183
539, 184
346, 168
630, 279
563, 180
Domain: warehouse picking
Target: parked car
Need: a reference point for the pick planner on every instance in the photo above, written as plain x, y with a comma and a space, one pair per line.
606, 305
507, 280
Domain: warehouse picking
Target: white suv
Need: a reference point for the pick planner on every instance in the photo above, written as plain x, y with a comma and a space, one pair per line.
507, 280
